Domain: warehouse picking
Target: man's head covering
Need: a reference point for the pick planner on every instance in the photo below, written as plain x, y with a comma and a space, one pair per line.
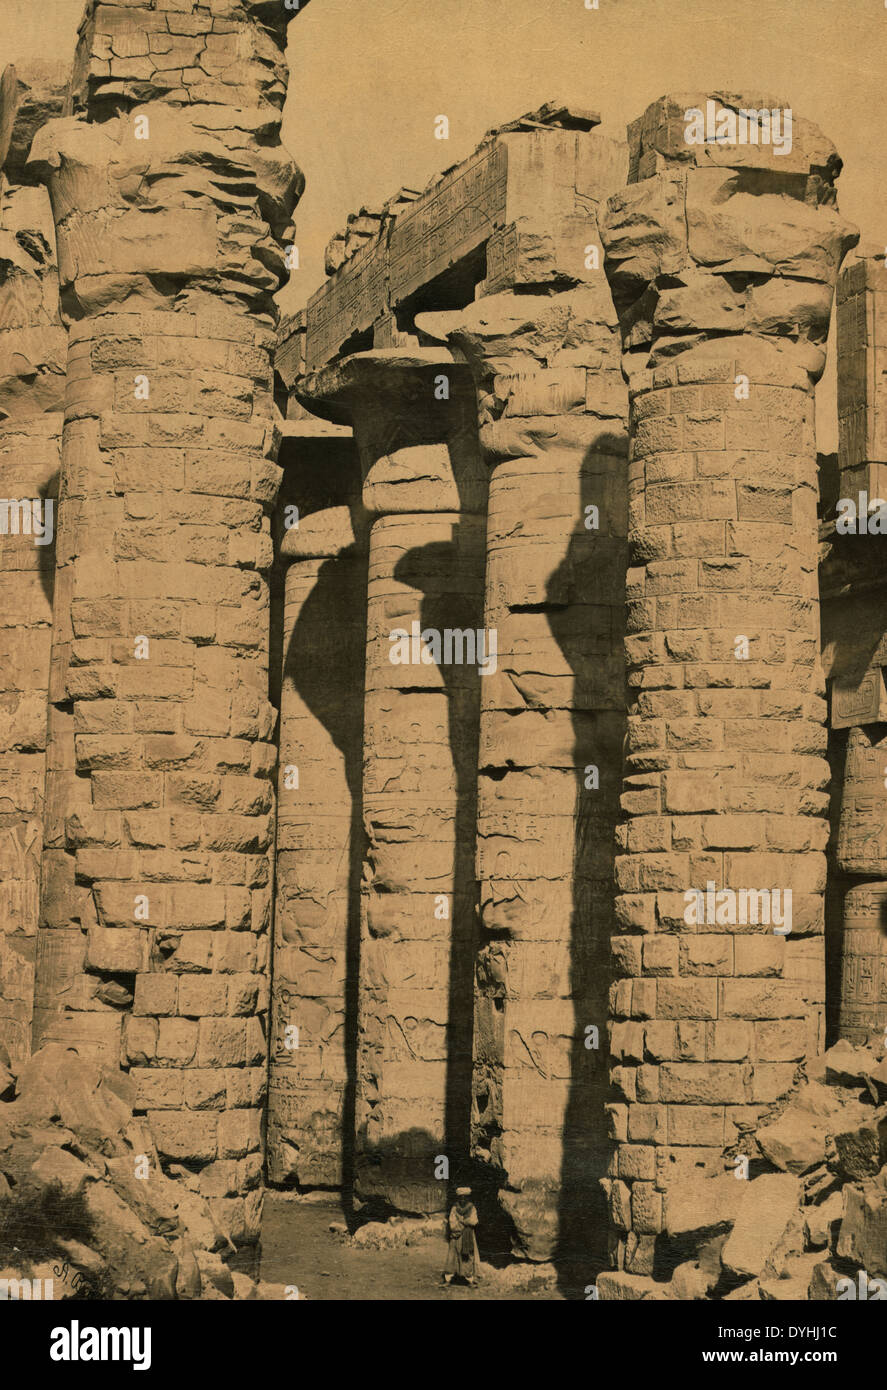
463, 1191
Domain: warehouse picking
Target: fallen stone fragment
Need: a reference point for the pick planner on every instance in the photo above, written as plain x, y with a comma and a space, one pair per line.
877, 1082
244, 1287
688, 1283
750, 1292
820, 1219
842, 1065
794, 1282
213, 1270
614, 1287
863, 1234
706, 1204
768, 1204
796, 1142
823, 1283
786, 1249
862, 1150
520, 1275
188, 1282
57, 1165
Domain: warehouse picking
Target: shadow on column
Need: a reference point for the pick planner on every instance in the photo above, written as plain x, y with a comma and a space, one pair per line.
461, 608
593, 572
344, 649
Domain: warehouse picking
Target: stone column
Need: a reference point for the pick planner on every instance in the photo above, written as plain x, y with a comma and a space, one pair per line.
413, 418
170, 193
32, 385
724, 288
319, 830
855, 646
552, 407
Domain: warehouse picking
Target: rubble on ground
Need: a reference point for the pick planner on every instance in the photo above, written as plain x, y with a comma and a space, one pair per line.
84, 1201
811, 1212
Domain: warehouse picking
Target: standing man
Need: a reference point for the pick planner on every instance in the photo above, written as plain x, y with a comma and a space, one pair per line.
462, 1252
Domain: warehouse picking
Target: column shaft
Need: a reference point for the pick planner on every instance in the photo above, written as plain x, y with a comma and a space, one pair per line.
720, 959
32, 364
319, 851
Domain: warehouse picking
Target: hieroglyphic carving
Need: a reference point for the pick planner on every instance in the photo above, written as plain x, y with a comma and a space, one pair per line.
455, 218
349, 303
863, 1005
862, 703
862, 831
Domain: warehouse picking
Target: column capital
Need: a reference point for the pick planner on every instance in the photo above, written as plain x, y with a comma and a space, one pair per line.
728, 234
143, 219
414, 418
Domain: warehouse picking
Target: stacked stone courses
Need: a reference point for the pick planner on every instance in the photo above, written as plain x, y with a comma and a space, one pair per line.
725, 778
395, 924
171, 195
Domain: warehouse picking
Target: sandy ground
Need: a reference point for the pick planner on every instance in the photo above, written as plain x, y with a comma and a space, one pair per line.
299, 1248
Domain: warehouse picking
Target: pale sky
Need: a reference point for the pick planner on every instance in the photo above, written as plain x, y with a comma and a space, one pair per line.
368, 78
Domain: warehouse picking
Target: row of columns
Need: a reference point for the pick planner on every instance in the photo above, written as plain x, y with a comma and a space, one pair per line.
724, 788
495, 489
453, 706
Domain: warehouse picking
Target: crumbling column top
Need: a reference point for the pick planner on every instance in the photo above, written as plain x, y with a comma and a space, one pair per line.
707, 252
30, 95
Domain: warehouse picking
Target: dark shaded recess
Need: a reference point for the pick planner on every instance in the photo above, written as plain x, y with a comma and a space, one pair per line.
318, 474
454, 288
828, 473
47, 552
837, 885
599, 738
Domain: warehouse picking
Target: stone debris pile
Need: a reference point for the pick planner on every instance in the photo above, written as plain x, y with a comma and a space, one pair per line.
85, 1203
811, 1211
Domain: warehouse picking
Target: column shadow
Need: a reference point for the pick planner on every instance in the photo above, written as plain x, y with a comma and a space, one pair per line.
343, 648
592, 577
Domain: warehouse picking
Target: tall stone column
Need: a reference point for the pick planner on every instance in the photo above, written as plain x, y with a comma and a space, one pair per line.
319, 827
552, 409
32, 385
413, 417
723, 275
855, 649
170, 194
